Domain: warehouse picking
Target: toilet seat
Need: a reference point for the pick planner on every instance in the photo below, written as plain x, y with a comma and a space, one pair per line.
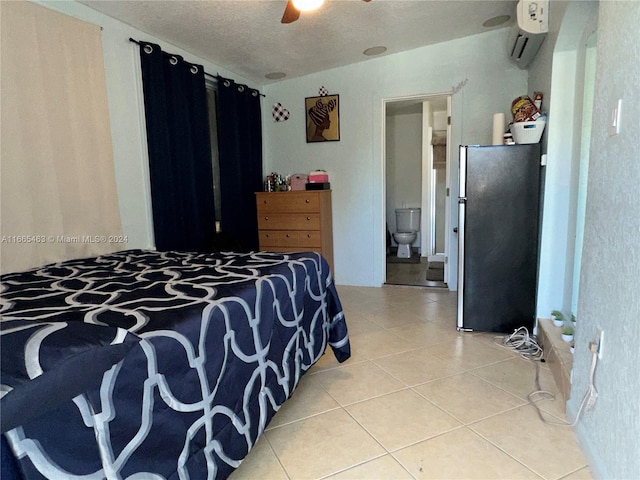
405, 237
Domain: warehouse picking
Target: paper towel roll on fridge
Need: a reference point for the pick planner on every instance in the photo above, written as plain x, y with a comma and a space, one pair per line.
498, 128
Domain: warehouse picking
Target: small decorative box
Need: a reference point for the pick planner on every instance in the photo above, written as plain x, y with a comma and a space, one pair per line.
298, 181
318, 176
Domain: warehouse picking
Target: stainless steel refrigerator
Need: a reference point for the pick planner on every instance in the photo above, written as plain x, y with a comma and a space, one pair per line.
499, 218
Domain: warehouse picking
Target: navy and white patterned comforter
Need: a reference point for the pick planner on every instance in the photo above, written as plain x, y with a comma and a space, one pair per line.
142, 364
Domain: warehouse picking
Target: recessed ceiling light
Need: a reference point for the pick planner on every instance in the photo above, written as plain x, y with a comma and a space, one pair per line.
375, 51
495, 21
275, 75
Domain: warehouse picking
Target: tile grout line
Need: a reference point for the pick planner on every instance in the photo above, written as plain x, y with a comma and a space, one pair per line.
507, 453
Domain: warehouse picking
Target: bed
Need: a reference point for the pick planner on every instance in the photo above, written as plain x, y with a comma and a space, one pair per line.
156, 365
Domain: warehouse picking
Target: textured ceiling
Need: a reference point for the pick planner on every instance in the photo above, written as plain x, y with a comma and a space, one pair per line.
247, 38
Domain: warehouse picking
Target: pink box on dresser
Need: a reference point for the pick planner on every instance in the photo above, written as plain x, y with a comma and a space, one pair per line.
318, 176
298, 181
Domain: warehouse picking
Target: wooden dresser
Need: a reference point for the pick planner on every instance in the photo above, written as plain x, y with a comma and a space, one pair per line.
296, 221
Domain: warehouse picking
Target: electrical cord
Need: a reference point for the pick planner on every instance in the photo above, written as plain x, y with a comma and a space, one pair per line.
527, 346
588, 400
523, 343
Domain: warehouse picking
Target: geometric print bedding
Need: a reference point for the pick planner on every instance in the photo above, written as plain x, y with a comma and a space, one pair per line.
157, 365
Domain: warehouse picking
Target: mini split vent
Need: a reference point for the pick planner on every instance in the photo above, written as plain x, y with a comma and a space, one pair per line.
529, 32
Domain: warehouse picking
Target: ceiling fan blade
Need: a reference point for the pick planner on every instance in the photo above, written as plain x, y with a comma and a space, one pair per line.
291, 13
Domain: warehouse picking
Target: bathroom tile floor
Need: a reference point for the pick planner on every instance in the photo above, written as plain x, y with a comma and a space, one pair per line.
414, 274
417, 400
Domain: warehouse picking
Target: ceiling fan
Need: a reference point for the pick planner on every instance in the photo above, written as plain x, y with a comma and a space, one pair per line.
294, 7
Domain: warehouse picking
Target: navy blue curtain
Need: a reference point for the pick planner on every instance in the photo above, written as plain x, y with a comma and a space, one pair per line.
179, 151
240, 157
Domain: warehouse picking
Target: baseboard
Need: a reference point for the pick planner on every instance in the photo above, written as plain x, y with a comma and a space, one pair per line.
596, 465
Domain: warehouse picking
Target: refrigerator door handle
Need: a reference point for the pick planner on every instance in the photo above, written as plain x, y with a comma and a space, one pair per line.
462, 173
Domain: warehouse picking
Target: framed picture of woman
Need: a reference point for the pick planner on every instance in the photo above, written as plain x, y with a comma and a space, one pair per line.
323, 118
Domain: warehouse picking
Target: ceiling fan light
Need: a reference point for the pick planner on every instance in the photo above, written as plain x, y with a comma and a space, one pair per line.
307, 5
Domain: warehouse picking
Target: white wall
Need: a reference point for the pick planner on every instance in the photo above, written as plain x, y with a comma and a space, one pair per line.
611, 258
126, 109
540, 69
477, 69
558, 72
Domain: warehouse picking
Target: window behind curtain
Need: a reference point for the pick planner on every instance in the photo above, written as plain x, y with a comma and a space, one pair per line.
213, 127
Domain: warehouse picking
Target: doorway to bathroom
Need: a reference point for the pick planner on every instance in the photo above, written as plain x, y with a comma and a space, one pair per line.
417, 133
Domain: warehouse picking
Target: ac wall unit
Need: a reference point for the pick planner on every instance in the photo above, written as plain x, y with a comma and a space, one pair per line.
529, 31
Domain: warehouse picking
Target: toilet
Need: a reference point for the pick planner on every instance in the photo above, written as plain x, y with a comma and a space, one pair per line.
407, 226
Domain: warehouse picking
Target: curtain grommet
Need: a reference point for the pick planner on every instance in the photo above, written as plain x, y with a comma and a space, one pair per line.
148, 49
194, 69
173, 60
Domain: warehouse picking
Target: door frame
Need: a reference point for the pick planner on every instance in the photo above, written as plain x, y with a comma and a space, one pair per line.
426, 175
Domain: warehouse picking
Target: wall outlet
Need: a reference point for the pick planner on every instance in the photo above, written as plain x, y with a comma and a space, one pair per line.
614, 124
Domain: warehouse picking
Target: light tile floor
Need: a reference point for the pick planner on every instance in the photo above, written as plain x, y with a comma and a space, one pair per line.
417, 400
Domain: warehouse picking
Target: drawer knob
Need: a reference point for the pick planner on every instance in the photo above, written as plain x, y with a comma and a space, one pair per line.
308, 235
307, 200
308, 218
266, 218
288, 235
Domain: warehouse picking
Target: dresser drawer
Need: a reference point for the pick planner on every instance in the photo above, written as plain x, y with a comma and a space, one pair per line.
287, 238
288, 202
310, 239
288, 221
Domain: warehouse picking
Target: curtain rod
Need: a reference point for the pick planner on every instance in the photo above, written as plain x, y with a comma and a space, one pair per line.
140, 44
216, 77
